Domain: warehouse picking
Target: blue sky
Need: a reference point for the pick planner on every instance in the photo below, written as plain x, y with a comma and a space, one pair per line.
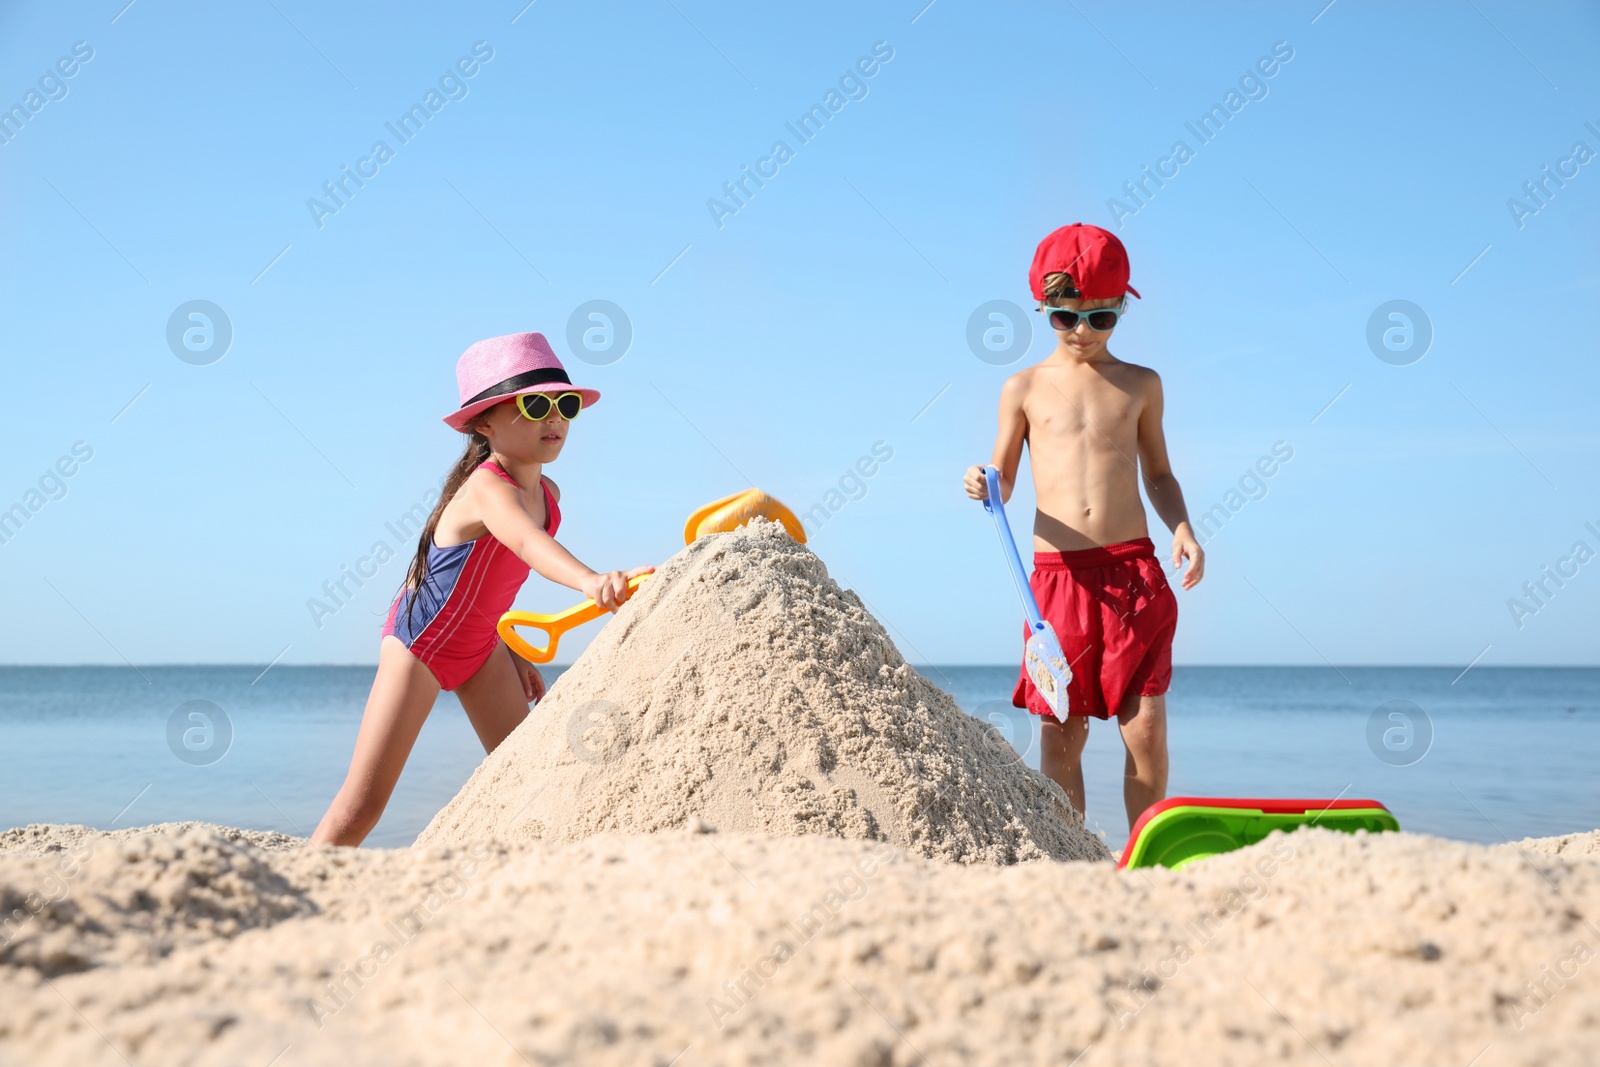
779, 344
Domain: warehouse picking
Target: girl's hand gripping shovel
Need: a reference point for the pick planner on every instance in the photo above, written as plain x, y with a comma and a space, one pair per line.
553, 625
1042, 658
719, 516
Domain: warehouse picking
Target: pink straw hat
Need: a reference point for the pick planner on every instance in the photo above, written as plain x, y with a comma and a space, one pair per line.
498, 368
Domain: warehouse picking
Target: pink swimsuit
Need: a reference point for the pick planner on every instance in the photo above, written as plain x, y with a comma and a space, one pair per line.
465, 590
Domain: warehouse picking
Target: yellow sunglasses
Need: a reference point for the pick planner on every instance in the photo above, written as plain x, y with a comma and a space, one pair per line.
537, 406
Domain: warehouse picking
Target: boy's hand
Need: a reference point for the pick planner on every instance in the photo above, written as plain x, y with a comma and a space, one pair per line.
1184, 546
976, 485
610, 590
532, 681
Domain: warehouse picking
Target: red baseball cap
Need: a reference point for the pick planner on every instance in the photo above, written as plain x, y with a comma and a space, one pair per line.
1095, 258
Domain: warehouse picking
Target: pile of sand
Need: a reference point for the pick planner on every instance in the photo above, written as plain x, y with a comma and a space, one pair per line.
1312, 948
741, 689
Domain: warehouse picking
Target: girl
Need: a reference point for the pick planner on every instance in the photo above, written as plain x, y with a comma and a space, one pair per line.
496, 518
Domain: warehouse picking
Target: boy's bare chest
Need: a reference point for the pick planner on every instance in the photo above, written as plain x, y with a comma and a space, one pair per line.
1075, 408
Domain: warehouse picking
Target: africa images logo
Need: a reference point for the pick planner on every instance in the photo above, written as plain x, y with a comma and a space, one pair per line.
452, 85
1252, 87
852, 85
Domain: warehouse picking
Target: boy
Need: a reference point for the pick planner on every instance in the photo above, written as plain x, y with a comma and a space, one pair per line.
1090, 421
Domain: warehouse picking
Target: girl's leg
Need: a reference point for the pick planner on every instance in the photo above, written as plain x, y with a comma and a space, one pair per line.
402, 695
493, 698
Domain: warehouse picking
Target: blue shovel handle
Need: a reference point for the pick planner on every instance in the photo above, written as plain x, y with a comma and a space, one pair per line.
994, 507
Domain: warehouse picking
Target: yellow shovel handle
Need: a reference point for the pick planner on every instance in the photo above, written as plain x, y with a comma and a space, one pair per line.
553, 625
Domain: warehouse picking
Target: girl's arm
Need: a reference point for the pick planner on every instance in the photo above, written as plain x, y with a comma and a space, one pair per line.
501, 510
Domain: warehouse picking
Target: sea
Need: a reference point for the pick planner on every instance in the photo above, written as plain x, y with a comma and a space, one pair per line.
1489, 755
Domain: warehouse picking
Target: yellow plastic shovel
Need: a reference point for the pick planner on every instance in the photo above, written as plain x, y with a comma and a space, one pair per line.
719, 516
732, 512
553, 625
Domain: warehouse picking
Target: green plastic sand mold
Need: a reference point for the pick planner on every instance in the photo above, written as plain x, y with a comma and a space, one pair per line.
1180, 830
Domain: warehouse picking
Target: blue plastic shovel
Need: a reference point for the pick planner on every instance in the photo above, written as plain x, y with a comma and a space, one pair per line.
1042, 657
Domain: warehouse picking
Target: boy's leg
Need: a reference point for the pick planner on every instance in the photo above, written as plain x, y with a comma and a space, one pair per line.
1061, 754
1144, 734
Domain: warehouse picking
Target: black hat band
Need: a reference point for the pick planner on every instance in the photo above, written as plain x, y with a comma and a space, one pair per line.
522, 381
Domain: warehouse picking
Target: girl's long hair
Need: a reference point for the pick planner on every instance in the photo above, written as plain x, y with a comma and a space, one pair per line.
477, 451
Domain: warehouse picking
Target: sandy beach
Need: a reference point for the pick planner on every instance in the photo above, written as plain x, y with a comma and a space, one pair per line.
184, 947
741, 830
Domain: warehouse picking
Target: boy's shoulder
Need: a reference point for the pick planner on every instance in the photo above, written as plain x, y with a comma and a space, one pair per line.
1137, 374
1128, 375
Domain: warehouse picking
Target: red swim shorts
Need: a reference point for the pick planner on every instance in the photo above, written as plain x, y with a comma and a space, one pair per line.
1115, 615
